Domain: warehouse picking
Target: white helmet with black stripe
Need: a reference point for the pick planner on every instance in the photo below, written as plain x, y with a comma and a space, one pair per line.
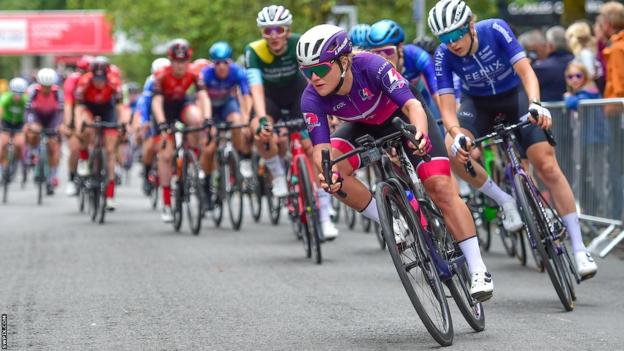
448, 15
274, 15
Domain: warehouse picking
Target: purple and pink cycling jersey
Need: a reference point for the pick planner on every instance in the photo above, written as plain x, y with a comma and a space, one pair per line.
378, 91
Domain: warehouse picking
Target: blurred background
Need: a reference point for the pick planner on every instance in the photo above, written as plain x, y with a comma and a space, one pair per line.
132, 33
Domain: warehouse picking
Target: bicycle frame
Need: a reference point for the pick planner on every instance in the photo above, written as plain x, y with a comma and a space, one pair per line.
297, 151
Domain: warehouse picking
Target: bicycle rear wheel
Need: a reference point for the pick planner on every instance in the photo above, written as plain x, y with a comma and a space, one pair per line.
5, 184
234, 190
520, 247
311, 210
413, 263
41, 180
294, 207
193, 193
218, 195
350, 216
539, 229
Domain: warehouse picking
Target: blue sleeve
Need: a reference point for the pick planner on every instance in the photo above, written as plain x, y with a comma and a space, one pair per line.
443, 71
571, 102
417, 62
242, 81
507, 41
315, 118
430, 78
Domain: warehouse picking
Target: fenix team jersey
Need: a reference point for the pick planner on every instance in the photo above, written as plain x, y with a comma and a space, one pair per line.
378, 91
220, 90
144, 104
264, 67
417, 61
490, 70
174, 88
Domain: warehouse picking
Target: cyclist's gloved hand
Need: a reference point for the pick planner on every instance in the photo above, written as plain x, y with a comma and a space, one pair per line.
544, 120
424, 147
336, 182
163, 127
458, 151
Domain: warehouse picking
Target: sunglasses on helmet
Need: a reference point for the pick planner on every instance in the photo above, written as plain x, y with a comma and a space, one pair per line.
453, 36
387, 51
320, 69
274, 31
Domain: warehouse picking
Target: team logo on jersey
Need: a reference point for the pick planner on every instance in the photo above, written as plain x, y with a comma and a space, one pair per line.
311, 120
392, 80
365, 94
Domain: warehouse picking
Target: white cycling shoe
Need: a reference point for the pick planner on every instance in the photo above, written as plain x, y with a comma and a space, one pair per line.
166, 215
245, 168
330, 232
71, 189
511, 217
481, 286
585, 264
280, 189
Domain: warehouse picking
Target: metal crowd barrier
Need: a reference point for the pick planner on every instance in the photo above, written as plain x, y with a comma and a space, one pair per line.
590, 152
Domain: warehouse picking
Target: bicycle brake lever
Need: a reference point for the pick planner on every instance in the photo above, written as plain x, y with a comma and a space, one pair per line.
469, 167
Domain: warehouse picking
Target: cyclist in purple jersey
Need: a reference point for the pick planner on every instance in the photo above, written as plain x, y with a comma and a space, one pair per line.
491, 65
366, 91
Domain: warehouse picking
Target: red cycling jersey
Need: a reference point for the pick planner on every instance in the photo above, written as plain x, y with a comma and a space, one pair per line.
86, 92
44, 103
174, 88
69, 87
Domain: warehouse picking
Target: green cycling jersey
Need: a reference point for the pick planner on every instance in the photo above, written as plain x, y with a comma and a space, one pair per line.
13, 108
275, 70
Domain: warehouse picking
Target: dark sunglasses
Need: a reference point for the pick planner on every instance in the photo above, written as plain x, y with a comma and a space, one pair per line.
320, 69
274, 31
385, 51
221, 62
576, 75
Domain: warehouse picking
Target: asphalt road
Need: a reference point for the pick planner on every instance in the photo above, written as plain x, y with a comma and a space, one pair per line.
135, 284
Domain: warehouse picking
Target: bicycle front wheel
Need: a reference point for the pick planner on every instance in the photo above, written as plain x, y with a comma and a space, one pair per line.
255, 190
413, 263
193, 193
103, 184
234, 191
538, 228
311, 210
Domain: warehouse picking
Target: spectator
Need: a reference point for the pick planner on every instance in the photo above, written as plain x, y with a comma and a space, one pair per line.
550, 71
601, 44
534, 43
613, 26
593, 129
583, 46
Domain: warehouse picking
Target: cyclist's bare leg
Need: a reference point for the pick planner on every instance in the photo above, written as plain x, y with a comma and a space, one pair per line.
542, 156
238, 134
165, 159
54, 152
4, 140
73, 143
32, 135
192, 118
110, 143
207, 159
457, 216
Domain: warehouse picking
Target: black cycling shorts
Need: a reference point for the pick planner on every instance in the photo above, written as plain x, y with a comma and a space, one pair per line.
477, 114
105, 111
343, 139
288, 97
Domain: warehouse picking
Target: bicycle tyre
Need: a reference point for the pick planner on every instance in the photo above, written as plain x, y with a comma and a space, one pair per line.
103, 186
508, 239
379, 235
350, 216
521, 253
217, 193
335, 205
255, 189
387, 197
93, 185
274, 203
235, 193
294, 207
41, 181
82, 196
311, 210
178, 195
192, 193
537, 225
5, 184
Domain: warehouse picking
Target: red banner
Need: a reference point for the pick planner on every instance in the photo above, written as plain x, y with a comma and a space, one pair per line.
54, 32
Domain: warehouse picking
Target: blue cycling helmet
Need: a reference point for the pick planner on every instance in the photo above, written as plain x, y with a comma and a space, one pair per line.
220, 51
358, 35
385, 32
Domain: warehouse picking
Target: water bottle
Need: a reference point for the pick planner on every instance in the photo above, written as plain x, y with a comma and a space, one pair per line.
416, 206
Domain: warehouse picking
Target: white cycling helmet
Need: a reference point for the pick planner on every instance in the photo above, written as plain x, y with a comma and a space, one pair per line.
160, 63
322, 43
448, 15
46, 77
274, 16
18, 85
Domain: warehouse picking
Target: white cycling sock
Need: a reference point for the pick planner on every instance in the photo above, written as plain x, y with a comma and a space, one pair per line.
370, 211
571, 223
495, 193
470, 249
275, 165
324, 205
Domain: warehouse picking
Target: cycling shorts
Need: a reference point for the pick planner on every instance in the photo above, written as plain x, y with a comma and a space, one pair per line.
174, 109
477, 114
278, 98
47, 121
105, 111
15, 127
221, 112
343, 139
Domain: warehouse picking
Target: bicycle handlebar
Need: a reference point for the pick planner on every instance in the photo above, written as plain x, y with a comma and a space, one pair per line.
404, 130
